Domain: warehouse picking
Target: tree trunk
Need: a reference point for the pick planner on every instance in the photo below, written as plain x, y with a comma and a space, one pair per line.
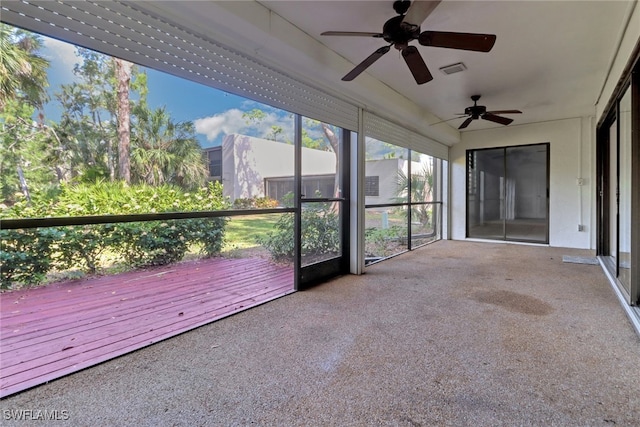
23, 184
111, 161
123, 74
334, 141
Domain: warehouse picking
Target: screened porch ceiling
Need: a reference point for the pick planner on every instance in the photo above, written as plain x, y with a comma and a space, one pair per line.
550, 60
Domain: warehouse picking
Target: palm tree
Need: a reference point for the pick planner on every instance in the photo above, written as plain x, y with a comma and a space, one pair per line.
23, 73
163, 151
421, 184
23, 82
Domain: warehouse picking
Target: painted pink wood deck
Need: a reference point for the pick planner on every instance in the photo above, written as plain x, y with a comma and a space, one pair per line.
52, 331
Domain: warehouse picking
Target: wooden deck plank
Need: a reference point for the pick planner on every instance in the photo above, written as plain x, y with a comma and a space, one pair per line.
52, 333
107, 325
58, 298
115, 290
31, 381
107, 303
72, 296
168, 319
177, 323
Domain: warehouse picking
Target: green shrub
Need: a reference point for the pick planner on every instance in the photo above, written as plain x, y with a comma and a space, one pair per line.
320, 233
242, 203
209, 233
280, 242
28, 255
383, 242
266, 203
320, 229
255, 203
151, 243
81, 246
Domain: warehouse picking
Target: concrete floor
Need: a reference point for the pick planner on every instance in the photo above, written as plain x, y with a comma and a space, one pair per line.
455, 333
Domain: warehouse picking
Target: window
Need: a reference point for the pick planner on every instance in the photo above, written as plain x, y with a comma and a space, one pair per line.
312, 186
214, 160
372, 186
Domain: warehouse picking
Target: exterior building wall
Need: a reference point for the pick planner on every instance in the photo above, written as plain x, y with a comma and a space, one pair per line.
387, 171
247, 161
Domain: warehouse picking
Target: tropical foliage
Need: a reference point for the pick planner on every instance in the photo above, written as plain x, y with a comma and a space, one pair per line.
23, 83
106, 129
23, 73
109, 153
420, 187
28, 255
164, 151
320, 232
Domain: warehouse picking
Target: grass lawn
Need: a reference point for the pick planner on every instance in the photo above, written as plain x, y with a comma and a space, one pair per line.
242, 232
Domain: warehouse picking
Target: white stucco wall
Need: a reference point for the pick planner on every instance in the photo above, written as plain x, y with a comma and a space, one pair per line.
247, 161
387, 172
571, 157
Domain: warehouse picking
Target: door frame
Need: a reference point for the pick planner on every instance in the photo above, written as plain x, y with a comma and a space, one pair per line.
604, 192
505, 171
310, 275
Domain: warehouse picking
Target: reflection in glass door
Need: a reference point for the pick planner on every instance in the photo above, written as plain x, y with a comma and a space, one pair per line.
485, 201
618, 185
507, 193
624, 183
613, 197
617, 252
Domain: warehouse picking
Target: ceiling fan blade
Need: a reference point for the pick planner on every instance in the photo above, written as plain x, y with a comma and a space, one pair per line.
351, 33
463, 41
496, 119
465, 123
366, 63
418, 12
416, 64
505, 112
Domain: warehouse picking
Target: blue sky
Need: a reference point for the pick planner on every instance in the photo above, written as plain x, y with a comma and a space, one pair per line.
214, 113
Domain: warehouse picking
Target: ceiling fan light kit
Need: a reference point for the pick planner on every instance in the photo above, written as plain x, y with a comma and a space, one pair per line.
400, 30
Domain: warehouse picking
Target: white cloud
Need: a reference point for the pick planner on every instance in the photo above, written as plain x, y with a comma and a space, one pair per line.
62, 51
231, 121
62, 57
228, 122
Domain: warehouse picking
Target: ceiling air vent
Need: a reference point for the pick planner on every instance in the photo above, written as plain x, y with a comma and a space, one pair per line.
453, 68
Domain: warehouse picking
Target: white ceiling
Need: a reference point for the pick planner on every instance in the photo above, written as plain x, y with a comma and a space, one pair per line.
550, 59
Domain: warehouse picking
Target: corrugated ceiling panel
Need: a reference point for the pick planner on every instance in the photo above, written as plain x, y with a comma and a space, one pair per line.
387, 131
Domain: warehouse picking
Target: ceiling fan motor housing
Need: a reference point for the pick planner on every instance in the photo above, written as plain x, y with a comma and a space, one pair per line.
400, 35
475, 111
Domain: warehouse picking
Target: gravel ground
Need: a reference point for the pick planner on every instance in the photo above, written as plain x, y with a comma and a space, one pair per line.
452, 334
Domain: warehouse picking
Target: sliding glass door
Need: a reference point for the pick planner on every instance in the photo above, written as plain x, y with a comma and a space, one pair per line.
617, 194
624, 185
507, 193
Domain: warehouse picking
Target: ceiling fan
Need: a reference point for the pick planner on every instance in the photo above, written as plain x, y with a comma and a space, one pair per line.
476, 112
404, 28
